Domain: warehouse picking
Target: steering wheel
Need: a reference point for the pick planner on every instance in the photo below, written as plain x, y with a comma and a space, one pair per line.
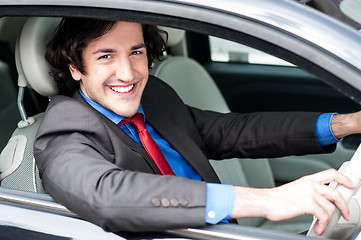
338, 227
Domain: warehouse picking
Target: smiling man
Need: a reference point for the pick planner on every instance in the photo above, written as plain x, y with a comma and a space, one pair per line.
116, 69
120, 148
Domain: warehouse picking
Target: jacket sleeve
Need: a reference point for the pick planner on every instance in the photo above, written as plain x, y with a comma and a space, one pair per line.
75, 161
258, 135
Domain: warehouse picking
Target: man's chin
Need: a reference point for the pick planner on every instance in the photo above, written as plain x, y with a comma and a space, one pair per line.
126, 112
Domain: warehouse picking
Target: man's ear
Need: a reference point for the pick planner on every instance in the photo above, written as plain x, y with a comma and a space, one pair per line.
75, 73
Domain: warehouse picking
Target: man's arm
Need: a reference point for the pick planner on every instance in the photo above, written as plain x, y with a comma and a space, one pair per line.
343, 125
307, 195
258, 135
254, 197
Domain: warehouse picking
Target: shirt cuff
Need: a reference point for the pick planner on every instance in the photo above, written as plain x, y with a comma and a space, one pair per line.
323, 131
220, 202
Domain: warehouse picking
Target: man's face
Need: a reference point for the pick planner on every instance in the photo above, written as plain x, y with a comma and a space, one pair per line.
116, 69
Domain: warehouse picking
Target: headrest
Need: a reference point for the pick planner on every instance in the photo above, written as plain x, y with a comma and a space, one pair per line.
175, 36
32, 67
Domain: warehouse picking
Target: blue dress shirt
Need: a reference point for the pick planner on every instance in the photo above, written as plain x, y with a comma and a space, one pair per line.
220, 197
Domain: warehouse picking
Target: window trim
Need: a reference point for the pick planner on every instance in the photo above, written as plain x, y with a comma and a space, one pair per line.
33, 201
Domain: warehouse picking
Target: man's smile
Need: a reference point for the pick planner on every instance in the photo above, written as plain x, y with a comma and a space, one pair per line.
122, 89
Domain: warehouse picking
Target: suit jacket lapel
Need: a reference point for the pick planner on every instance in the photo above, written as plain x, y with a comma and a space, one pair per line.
132, 144
180, 142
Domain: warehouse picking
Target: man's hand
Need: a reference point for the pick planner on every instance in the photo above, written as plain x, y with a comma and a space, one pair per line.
307, 195
346, 124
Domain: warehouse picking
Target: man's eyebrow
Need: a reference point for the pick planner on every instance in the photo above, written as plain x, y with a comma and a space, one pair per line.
110, 50
104, 50
142, 45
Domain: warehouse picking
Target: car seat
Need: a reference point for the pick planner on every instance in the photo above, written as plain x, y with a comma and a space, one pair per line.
18, 169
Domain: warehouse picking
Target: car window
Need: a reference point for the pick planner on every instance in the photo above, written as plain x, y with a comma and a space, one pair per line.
258, 83
227, 51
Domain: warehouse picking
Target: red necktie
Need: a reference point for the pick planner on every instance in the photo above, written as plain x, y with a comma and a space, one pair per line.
149, 144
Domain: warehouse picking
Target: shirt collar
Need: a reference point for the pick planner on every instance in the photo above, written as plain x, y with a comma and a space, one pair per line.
115, 118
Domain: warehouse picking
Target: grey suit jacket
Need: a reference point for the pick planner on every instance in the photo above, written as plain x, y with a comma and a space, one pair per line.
91, 166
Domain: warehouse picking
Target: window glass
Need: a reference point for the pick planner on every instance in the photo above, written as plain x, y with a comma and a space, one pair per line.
227, 51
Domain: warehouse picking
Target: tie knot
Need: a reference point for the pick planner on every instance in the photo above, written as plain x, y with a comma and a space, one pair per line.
136, 120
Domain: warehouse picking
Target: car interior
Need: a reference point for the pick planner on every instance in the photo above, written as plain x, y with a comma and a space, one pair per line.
231, 86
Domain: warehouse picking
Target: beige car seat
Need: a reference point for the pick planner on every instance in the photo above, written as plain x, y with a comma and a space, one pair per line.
18, 169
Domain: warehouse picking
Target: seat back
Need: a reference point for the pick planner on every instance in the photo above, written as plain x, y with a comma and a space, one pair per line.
21, 172
17, 164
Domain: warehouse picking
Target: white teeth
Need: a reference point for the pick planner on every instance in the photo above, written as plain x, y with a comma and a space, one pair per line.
122, 89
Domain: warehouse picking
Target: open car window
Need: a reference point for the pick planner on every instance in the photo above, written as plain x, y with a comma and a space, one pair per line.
256, 67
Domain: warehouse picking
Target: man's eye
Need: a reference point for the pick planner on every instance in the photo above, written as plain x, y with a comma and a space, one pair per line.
105, 56
137, 52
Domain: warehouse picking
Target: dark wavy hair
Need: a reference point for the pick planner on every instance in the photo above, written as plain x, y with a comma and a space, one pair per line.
74, 34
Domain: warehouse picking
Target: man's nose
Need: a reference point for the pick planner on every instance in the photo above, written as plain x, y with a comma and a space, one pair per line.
124, 70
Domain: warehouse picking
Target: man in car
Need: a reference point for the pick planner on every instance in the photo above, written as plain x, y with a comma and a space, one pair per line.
96, 154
